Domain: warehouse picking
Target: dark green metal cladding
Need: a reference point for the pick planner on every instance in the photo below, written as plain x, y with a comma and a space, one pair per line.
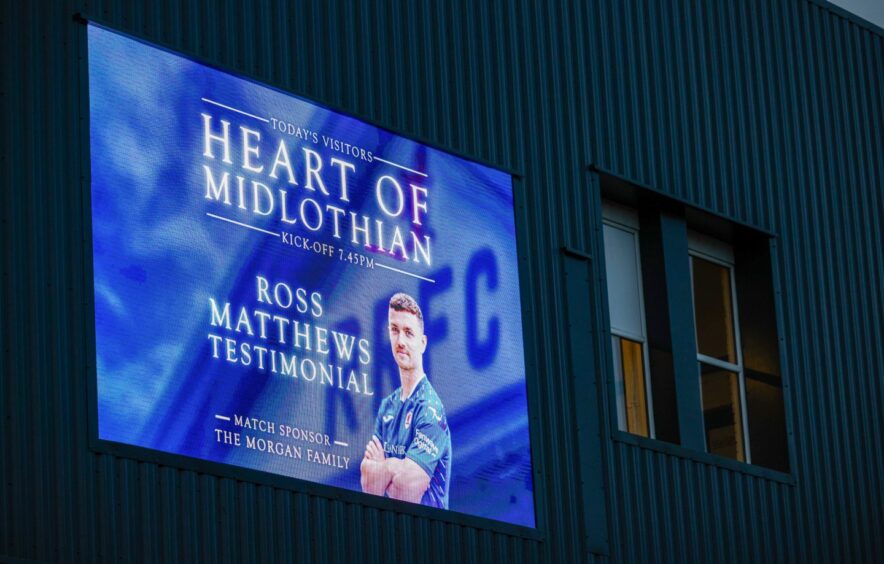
767, 112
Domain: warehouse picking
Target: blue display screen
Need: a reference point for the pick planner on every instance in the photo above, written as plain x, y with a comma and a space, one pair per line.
284, 288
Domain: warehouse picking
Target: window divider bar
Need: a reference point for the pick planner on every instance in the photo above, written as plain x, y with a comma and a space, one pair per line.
680, 304
628, 335
723, 364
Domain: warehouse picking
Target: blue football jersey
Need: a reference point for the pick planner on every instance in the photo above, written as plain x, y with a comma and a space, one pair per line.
417, 428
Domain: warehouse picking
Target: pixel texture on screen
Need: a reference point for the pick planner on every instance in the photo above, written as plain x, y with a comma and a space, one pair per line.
284, 288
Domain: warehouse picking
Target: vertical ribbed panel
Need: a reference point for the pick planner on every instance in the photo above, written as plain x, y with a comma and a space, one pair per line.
767, 112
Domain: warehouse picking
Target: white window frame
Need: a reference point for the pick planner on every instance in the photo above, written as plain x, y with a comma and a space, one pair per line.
718, 252
626, 219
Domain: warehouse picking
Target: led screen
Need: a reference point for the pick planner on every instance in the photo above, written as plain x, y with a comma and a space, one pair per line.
284, 288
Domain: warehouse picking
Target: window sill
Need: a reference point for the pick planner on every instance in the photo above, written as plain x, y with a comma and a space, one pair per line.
703, 457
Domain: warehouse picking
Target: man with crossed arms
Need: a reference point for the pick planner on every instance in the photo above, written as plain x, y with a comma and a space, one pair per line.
409, 455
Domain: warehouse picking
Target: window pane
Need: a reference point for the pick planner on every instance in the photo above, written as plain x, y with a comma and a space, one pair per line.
713, 310
722, 417
766, 420
765, 412
624, 284
632, 404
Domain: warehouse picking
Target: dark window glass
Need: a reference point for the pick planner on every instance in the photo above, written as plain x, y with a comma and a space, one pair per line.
767, 421
722, 415
765, 410
713, 310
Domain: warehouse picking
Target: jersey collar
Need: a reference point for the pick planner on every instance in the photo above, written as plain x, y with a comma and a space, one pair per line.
413, 390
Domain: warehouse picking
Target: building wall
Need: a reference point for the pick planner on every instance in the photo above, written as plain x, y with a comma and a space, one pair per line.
767, 112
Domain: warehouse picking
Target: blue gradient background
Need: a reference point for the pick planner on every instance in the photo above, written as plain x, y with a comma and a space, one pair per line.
158, 258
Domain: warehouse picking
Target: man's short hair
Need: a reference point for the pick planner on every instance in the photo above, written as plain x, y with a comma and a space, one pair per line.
404, 302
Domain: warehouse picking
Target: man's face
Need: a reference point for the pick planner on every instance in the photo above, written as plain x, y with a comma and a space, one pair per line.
407, 339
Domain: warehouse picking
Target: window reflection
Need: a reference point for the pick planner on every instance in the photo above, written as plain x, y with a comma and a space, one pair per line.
713, 310
722, 415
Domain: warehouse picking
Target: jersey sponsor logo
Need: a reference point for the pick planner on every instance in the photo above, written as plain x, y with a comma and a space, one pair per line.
408, 419
425, 443
394, 449
388, 418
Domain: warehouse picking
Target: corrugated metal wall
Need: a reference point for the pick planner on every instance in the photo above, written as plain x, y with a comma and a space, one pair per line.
768, 112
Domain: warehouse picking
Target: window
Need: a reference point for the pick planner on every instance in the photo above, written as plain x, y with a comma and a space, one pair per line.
694, 344
722, 383
626, 309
